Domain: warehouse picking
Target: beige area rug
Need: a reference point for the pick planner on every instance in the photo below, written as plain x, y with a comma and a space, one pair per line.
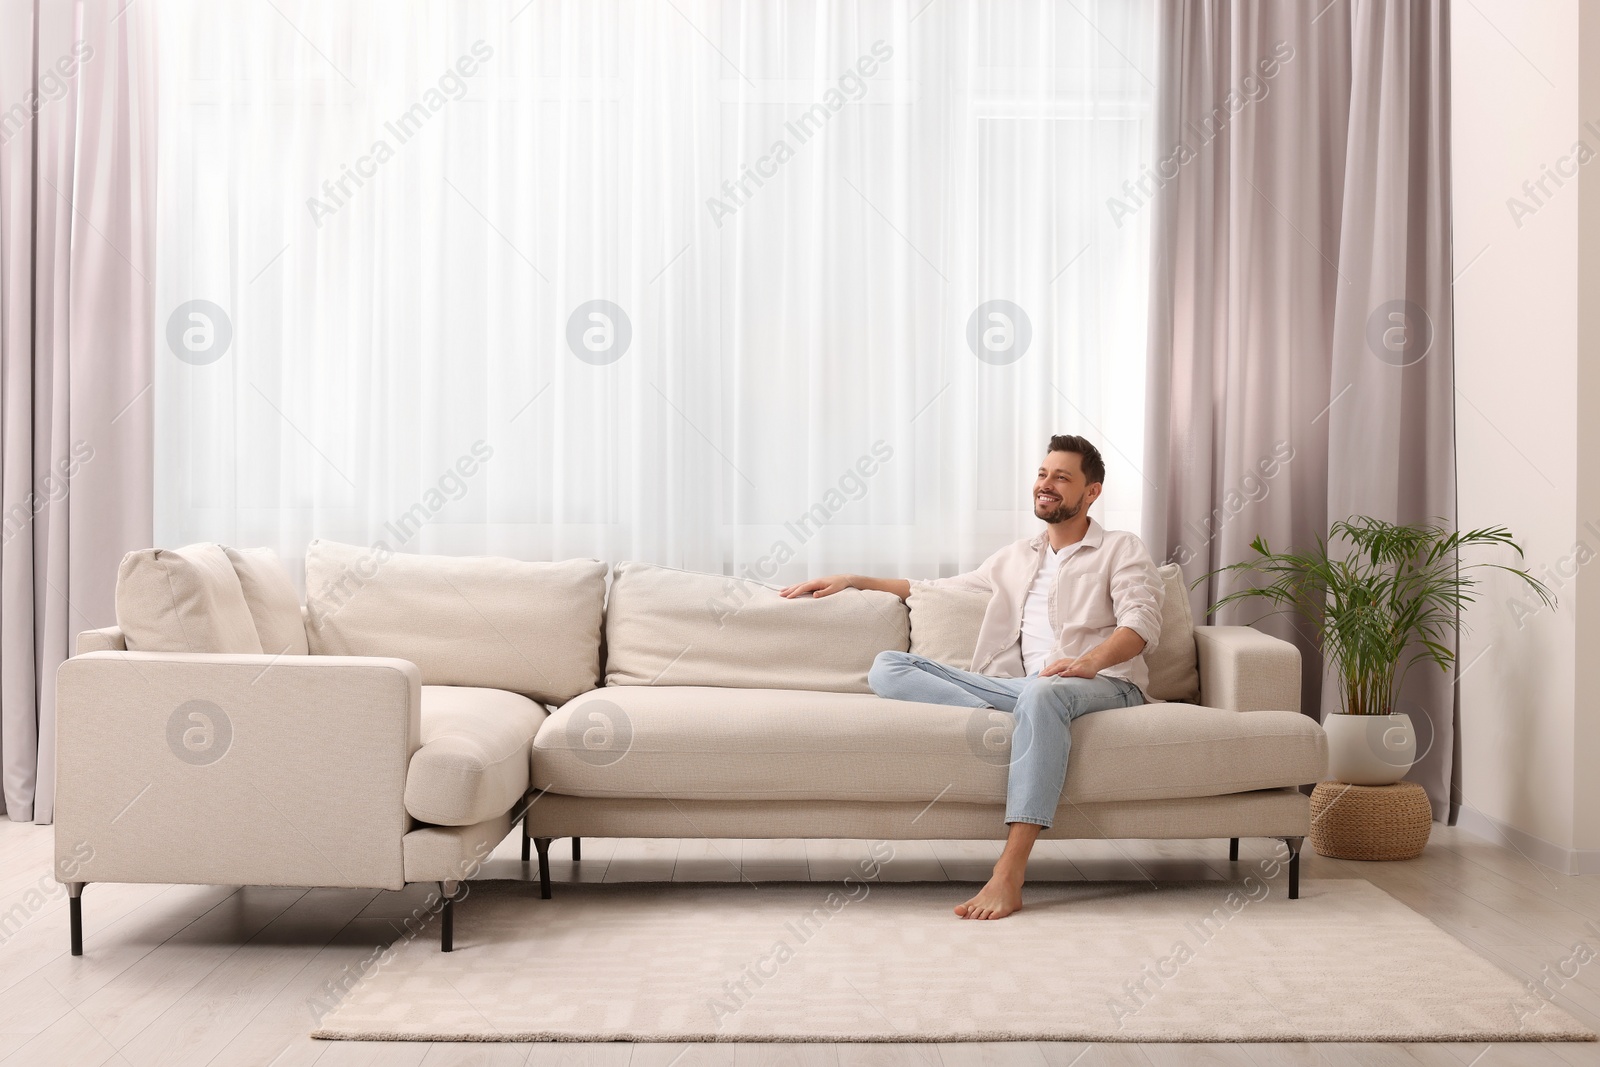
1096, 961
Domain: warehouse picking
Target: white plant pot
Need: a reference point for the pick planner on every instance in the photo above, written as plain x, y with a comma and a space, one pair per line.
1369, 749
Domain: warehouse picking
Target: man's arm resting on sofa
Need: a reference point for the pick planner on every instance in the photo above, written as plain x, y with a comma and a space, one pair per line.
1243, 669
223, 769
835, 583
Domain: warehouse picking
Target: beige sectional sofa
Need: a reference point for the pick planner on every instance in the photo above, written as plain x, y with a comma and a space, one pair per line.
395, 727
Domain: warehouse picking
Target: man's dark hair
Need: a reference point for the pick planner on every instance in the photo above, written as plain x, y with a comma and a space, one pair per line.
1094, 468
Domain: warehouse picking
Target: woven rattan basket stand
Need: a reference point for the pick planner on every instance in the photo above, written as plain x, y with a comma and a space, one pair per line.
1370, 822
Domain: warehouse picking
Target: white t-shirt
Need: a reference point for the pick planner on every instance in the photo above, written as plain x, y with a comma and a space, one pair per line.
1037, 636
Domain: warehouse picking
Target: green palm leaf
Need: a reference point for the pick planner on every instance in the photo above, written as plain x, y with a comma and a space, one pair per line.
1395, 589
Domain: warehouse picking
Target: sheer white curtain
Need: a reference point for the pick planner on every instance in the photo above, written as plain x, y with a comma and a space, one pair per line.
688, 282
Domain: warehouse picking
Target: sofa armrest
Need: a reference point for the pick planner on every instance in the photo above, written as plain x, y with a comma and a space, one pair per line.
1243, 669
105, 639
234, 769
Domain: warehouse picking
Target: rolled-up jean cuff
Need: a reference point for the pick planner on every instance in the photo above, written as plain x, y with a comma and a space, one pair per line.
1030, 821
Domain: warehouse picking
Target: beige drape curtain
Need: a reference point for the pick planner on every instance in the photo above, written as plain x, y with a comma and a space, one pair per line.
76, 284
1300, 358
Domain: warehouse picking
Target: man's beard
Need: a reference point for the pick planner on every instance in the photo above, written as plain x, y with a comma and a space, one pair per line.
1063, 512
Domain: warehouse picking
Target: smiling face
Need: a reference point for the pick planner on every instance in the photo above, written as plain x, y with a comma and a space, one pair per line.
1060, 493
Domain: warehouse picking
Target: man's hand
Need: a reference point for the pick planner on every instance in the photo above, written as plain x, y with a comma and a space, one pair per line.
821, 586
1081, 667
1121, 646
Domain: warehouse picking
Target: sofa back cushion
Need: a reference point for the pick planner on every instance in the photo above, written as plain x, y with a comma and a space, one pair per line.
530, 628
945, 623
183, 600
1173, 664
675, 627
269, 594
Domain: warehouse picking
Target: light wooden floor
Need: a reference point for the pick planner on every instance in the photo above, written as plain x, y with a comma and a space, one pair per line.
179, 975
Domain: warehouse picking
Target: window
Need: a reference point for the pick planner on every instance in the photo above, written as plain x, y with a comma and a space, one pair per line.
765, 289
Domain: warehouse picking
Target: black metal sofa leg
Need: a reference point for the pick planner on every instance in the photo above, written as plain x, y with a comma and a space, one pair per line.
447, 920
75, 915
543, 845
524, 847
1233, 849
1294, 865
577, 849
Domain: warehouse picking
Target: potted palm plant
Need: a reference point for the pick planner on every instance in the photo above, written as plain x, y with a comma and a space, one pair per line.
1390, 601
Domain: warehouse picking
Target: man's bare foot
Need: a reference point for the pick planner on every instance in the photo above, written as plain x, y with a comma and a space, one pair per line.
997, 899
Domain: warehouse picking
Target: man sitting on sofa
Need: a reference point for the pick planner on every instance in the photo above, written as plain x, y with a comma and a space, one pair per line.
1070, 615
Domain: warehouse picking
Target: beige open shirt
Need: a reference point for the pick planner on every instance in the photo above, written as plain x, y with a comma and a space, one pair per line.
1109, 582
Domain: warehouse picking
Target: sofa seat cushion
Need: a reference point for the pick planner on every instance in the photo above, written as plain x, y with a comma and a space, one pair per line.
473, 763
695, 743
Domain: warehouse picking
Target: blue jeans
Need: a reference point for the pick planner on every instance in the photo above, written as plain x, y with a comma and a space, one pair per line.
1044, 710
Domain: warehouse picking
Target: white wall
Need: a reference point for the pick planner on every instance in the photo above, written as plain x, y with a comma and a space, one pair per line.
1586, 750
1526, 409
